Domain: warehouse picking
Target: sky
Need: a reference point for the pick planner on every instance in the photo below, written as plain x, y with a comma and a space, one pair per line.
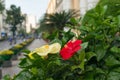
30, 7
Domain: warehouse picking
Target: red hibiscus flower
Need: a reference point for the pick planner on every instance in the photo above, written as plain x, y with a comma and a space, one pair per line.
70, 48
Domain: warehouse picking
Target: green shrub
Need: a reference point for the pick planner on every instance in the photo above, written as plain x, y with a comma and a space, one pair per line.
29, 40
6, 54
24, 43
18, 46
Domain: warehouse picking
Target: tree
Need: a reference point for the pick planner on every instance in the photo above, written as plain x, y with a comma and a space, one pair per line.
56, 22
43, 26
59, 20
2, 7
14, 18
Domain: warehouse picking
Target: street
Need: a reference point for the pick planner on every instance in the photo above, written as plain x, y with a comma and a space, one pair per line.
6, 45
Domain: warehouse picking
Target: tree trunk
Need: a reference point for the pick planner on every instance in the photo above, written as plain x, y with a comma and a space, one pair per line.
14, 34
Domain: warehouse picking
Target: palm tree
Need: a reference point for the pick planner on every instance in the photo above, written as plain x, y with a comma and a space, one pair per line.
44, 26
59, 20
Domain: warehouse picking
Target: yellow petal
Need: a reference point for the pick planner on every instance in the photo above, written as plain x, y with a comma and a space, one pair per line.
43, 51
55, 48
30, 55
42, 54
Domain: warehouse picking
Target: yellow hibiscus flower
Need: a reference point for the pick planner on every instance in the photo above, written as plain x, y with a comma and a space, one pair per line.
55, 48
43, 51
46, 49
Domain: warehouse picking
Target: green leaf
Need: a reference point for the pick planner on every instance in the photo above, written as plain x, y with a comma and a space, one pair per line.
99, 71
73, 21
95, 74
116, 69
25, 63
118, 19
115, 49
111, 61
56, 41
100, 52
89, 68
82, 60
75, 67
84, 28
41, 73
100, 77
53, 63
99, 37
24, 75
104, 9
49, 79
34, 71
89, 76
113, 76
26, 51
89, 55
64, 40
84, 45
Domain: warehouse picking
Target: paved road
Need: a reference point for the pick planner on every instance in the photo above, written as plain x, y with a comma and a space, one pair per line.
6, 45
15, 69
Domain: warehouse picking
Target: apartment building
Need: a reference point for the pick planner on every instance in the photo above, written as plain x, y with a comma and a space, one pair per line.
86, 5
82, 5
51, 7
30, 23
3, 28
59, 5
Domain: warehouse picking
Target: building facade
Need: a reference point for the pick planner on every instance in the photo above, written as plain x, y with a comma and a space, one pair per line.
51, 7
86, 5
59, 5
3, 28
30, 23
82, 5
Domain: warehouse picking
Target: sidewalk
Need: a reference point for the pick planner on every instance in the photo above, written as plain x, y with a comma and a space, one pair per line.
37, 43
15, 69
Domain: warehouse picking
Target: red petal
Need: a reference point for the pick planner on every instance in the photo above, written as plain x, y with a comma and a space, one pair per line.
77, 48
77, 42
69, 44
66, 56
69, 51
